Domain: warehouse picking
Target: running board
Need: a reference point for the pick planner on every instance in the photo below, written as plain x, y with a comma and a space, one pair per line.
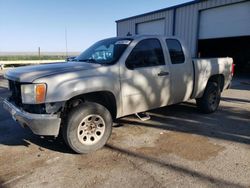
143, 116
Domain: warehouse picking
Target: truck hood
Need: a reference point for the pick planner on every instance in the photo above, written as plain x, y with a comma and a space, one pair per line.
30, 73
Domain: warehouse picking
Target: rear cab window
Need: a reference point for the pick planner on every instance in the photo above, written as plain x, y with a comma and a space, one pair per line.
146, 53
175, 51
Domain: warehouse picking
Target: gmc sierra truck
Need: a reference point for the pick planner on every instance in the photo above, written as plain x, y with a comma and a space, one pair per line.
113, 78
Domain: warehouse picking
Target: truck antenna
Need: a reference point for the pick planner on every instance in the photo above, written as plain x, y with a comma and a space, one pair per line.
66, 41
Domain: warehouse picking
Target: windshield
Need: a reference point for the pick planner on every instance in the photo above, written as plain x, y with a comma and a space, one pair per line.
106, 51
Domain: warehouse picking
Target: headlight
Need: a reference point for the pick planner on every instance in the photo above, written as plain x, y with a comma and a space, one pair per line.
33, 93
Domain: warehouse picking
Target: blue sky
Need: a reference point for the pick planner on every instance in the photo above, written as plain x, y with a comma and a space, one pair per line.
26, 25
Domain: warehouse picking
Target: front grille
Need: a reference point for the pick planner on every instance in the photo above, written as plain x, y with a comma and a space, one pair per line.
16, 98
15, 89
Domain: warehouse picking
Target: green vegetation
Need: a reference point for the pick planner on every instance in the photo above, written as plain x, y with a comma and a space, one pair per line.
16, 65
32, 57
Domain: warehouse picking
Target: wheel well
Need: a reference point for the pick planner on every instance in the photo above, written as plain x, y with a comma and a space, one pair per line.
105, 98
219, 79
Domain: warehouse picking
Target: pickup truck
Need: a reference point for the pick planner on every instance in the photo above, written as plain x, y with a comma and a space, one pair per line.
113, 78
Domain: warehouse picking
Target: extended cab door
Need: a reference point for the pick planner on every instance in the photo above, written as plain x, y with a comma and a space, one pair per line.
145, 79
181, 69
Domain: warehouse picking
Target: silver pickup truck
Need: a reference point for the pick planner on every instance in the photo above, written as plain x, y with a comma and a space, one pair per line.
113, 78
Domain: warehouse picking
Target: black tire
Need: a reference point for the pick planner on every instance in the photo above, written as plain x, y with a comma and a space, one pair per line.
210, 100
77, 115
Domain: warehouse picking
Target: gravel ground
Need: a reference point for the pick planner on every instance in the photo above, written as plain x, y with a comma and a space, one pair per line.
177, 147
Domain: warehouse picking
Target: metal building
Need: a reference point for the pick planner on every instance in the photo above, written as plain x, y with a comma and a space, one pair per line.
210, 28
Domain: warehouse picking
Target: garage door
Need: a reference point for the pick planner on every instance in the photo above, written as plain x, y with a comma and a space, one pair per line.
226, 21
156, 27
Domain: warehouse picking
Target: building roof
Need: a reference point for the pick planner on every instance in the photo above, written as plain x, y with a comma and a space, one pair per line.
161, 10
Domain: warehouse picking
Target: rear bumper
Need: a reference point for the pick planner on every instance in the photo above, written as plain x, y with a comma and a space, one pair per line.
40, 124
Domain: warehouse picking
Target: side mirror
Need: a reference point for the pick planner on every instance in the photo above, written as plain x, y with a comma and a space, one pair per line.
71, 58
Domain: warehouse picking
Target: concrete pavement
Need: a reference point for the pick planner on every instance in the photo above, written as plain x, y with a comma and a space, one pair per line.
178, 147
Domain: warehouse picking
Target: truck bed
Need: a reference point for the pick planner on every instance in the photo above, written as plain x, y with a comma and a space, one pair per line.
205, 68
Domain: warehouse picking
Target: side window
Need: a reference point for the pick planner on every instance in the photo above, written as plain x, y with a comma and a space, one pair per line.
146, 53
175, 51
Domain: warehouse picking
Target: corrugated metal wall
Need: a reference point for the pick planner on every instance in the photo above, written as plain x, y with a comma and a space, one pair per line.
130, 25
186, 21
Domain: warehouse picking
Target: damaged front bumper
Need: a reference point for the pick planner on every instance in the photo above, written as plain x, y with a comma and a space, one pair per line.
40, 124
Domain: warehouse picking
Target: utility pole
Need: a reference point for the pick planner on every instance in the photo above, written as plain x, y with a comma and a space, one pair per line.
39, 53
66, 42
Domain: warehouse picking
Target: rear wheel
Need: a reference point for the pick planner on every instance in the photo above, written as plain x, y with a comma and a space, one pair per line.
210, 100
88, 127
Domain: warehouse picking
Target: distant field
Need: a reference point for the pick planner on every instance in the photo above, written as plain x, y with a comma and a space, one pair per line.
12, 64
25, 57
36, 54
20, 56
16, 59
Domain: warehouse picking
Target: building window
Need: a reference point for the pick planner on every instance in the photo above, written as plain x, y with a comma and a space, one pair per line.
175, 51
146, 53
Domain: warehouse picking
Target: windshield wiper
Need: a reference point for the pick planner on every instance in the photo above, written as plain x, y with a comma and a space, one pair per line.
88, 60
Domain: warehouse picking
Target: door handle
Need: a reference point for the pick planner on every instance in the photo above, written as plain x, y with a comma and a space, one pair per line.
163, 73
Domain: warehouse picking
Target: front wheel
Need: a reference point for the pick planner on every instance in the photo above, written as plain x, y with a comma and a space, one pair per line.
88, 127
210, 100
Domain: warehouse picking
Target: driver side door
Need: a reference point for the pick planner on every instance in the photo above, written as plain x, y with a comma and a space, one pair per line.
145, 80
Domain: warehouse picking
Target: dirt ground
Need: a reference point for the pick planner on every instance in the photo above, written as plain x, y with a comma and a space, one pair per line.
177, 147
